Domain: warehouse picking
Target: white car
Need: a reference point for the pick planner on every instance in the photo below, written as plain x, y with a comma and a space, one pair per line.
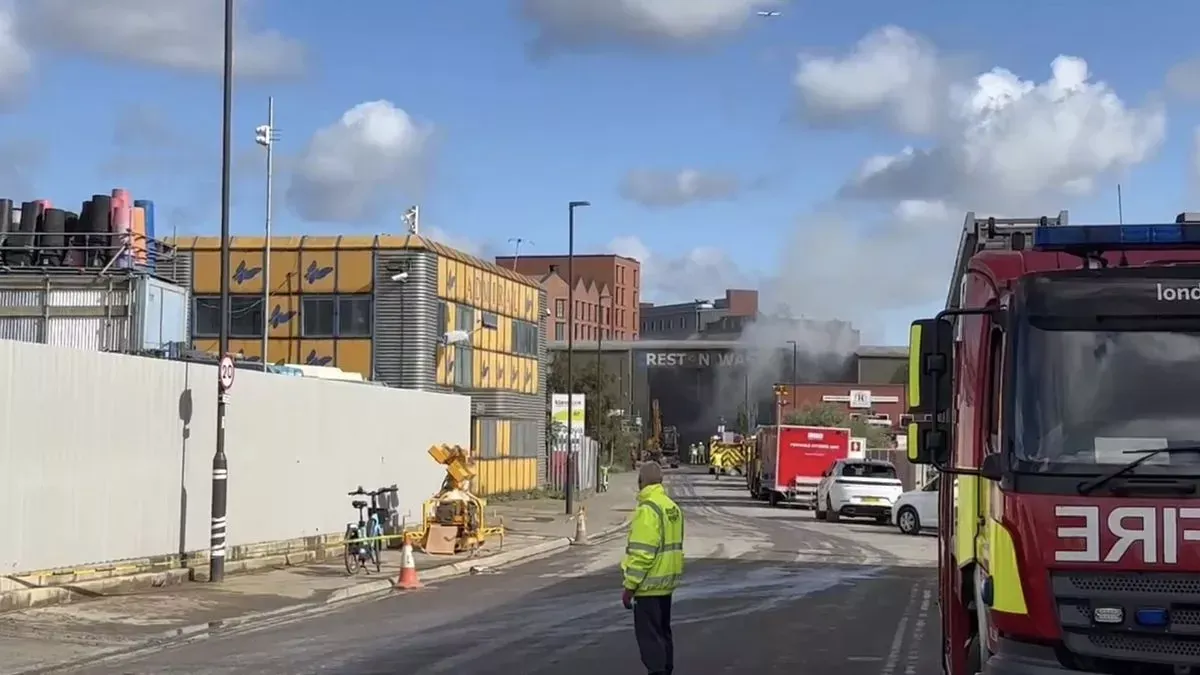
858, 488
917, 510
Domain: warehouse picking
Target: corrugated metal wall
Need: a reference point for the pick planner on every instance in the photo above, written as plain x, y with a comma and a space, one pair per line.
178, 269
406, 331
84, 312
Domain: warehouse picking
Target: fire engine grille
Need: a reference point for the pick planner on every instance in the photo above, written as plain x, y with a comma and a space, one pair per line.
1134, 582
1147, 644
1079, 594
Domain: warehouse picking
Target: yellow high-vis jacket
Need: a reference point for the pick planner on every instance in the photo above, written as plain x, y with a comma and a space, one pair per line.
653, 563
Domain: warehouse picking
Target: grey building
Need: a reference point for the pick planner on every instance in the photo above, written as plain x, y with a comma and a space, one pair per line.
711, 319
699, 384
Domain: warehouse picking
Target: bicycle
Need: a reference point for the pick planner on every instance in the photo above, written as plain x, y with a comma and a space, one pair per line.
364, 540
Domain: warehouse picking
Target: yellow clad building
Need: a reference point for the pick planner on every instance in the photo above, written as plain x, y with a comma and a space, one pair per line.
382, 306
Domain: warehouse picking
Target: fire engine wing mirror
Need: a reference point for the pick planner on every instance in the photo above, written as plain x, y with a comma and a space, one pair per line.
928, 443
930, 349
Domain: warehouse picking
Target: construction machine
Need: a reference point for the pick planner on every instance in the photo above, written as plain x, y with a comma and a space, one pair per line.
1055, 394
454, 520
654, 444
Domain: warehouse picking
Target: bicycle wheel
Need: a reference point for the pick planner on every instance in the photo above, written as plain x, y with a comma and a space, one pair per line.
377, 546
373, 554
350, 555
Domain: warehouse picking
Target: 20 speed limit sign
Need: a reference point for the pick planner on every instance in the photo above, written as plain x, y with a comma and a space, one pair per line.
225, 372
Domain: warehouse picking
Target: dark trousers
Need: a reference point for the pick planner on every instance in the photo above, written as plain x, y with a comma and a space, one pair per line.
652, 626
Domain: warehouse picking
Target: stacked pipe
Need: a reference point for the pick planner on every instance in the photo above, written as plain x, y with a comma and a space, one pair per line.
109, 230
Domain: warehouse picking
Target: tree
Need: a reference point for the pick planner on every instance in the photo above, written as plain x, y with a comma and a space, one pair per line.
602, 392
826, 415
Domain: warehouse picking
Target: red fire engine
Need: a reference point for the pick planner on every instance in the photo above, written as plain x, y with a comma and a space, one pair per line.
1060, 391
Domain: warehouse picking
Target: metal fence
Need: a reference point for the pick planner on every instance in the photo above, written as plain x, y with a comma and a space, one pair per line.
584, 473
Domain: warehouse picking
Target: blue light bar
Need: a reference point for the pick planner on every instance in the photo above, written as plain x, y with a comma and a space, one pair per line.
1116, 237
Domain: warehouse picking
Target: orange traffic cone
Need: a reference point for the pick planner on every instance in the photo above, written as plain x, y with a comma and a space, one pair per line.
408, 570
581, 536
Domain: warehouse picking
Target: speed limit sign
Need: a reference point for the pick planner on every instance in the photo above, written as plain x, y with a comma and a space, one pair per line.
225, 373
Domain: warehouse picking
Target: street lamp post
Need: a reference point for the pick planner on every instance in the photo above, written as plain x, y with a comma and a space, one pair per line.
568, 470
795, 352
265, 135
220, 463
604, 299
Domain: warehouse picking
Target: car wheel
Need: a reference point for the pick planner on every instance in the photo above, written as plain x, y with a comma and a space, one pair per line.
830, 514
908, 521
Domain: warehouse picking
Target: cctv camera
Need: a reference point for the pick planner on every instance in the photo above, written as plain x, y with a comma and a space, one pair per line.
400, 276
547, 312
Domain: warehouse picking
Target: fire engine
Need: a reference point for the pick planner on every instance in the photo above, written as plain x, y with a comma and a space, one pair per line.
1059, 393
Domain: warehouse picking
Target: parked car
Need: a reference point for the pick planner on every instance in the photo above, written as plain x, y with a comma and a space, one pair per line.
858, 488
918, 509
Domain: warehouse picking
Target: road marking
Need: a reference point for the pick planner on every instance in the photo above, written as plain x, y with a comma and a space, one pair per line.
893, 655
914, 645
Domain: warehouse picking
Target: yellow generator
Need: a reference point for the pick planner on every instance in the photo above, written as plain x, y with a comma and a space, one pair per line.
454, 520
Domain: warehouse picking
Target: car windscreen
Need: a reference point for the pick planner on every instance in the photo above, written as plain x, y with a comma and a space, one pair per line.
855, 470
1098, 374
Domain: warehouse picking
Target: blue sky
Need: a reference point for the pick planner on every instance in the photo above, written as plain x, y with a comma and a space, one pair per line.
507, 137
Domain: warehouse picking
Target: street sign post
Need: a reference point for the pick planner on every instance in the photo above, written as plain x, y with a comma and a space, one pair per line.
225, 372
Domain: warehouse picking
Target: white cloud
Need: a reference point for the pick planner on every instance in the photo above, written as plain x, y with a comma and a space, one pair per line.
1184, 78
663, 189
179, 34
15, 60
654, 23
890, 73
700, 272
1003, 143
351, 170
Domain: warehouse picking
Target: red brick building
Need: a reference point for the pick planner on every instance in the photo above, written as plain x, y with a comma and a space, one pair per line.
618, 275
593, 309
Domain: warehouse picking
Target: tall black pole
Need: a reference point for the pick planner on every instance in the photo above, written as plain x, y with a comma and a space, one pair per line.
220, 464
599, 384
569, 469
795, 350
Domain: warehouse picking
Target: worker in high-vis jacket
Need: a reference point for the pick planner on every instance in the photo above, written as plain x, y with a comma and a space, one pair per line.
652, 569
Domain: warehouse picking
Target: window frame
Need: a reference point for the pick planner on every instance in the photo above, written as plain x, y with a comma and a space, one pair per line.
337, 302
238, 304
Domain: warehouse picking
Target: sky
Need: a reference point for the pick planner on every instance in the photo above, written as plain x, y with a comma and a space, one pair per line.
826, 155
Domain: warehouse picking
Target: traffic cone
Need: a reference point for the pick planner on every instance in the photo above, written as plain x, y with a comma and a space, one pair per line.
408, 569
581, 536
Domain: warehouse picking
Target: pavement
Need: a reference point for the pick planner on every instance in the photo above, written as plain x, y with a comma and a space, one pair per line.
766, 590
35, 640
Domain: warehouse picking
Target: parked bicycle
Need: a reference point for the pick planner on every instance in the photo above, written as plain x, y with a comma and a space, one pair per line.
364, 540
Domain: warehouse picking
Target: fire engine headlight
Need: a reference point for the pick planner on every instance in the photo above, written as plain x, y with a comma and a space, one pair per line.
1108, 615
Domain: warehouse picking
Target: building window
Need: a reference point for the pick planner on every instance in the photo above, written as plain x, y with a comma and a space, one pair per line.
560, 308
465, 321
245, 316
560, 330
333, 316
488, 320
354, 316
464, 366
443, 320
524, 338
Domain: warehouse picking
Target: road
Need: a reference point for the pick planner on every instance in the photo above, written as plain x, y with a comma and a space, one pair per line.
766, 591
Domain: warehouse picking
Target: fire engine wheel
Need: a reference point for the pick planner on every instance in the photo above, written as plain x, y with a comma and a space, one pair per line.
974, 655
773, 499
908, 521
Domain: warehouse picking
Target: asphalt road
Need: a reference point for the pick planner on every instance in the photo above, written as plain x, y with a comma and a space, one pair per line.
766, 591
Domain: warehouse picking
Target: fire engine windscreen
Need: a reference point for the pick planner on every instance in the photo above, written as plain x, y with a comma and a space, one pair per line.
1093, 382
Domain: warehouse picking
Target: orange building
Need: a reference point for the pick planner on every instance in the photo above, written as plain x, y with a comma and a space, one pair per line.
383, 306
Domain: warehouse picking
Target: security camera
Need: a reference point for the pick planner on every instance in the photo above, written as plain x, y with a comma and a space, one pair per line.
547, 311
400, 276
